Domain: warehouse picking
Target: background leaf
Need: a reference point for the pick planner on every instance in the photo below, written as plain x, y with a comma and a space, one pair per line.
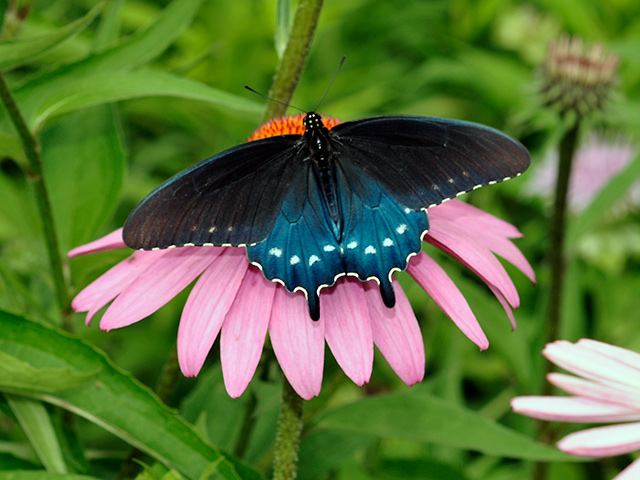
114, 401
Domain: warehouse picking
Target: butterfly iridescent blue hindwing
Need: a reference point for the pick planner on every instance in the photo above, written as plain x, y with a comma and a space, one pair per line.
350, 200
303, 252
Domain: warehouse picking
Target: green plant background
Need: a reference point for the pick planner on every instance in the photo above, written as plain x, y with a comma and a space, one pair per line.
125, 93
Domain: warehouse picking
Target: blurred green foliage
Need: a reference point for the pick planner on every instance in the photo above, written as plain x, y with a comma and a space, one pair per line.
119, 107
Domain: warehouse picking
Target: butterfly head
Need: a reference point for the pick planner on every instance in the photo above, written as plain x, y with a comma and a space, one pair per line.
313, 122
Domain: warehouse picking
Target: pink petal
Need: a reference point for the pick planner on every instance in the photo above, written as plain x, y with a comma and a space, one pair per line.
348, 328
244, 331
505, 305
572, 409
603, 441
298, 342
396, 333
584, 361
109, 285
477, 258
435, 281
632, 472
207, 306
594, 391
468, 215
110, 241
159, 283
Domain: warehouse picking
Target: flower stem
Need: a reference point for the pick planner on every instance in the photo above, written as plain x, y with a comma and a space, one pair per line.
294, 58
34, 173
557, 260
285, 460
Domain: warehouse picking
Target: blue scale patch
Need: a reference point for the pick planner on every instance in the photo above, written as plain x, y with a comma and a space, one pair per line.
378, 236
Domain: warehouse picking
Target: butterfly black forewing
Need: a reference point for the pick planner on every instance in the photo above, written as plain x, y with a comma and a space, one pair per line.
231, 198
423, 161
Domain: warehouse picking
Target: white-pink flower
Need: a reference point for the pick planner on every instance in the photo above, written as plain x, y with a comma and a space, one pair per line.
605, 390
232, 299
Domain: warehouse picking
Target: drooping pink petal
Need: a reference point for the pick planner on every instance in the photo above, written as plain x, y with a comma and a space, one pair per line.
603, 441
157, 284
467, 215
594, 391
505, 305
478, 259
298, 342
396, 333
348, 328
593, 365
572, 409
435, 281
244, 331
628, 357
108, 286
110, 241
207, 307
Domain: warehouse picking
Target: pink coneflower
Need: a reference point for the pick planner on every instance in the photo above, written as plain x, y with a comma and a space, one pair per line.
607, 389
232, 298
596, 162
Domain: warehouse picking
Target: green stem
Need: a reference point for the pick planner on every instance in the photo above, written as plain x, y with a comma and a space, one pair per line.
557, 260
34, 173
295, 57
285, 461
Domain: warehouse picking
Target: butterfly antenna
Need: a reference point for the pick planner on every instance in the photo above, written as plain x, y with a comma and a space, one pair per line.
273, 99
335, 75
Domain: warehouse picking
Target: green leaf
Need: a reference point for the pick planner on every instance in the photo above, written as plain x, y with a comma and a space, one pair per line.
17, 375
36, 425
89, 90
324, 450
109, 27
83, 159
14, 53
115, 401
424, 418
594, 214
40, 475
139, 50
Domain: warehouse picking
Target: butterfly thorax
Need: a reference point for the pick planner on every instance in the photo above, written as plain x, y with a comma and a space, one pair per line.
320, 153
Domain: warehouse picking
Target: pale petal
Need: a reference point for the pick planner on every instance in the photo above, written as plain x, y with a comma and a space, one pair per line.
110, 241
434, 280
572, 409
594, 391
396, 333
207, 306
158, 284
632, 472
629, 357
591, 364
348, 328
113, 282
298, 342
244, 331
603, 441
477, 258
